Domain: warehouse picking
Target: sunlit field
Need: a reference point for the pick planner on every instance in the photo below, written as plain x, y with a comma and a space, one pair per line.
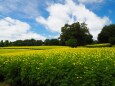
57, 66
17, 49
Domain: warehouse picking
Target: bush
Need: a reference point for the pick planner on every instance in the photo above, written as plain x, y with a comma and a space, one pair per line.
71, 43
112, 40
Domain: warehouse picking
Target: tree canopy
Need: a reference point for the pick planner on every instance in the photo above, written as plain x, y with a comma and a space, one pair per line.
51, 42
27, 42
71, 43
107, 34
78, 31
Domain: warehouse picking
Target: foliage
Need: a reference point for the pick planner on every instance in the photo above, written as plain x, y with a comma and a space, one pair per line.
1, 43
78, 31
60, 67
51, 42
47, 42
71, 43
112, 40
6, 43
27, 42
106, 33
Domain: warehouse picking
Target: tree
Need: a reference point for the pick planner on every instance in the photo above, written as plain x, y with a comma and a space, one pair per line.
107, 33
71, 43
1, 43
51, 42
47, 42
54, 42
6, 43
27, 42
112, 40
78, 31
39, 42
18, 43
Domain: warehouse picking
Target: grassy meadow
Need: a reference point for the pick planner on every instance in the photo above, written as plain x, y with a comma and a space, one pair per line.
57, 66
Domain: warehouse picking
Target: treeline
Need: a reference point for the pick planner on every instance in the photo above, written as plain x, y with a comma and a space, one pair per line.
29, 42
76, 34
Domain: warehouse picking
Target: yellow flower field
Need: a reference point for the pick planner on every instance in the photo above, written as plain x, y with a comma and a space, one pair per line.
59, 67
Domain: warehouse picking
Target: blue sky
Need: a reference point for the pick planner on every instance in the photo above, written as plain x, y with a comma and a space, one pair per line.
41, 19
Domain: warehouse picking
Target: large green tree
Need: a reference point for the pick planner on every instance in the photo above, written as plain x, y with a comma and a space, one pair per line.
78, 31
107, 34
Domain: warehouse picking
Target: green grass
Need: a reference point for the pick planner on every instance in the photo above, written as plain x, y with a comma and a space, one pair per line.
98, 45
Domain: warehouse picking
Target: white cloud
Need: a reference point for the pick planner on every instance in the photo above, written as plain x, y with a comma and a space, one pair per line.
27, 8
12, 29
60, 14
90, 1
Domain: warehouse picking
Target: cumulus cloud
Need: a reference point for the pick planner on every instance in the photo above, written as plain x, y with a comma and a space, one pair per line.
23, 8
90, 1
12, 29
70, 12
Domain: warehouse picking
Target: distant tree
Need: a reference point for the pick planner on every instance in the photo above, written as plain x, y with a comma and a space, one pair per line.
32, 42
1, 43
47, 42
107, 33
78, 31
6, 43
54, 42
27, 42
88, 39
51, 42
18, 43
39, 42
